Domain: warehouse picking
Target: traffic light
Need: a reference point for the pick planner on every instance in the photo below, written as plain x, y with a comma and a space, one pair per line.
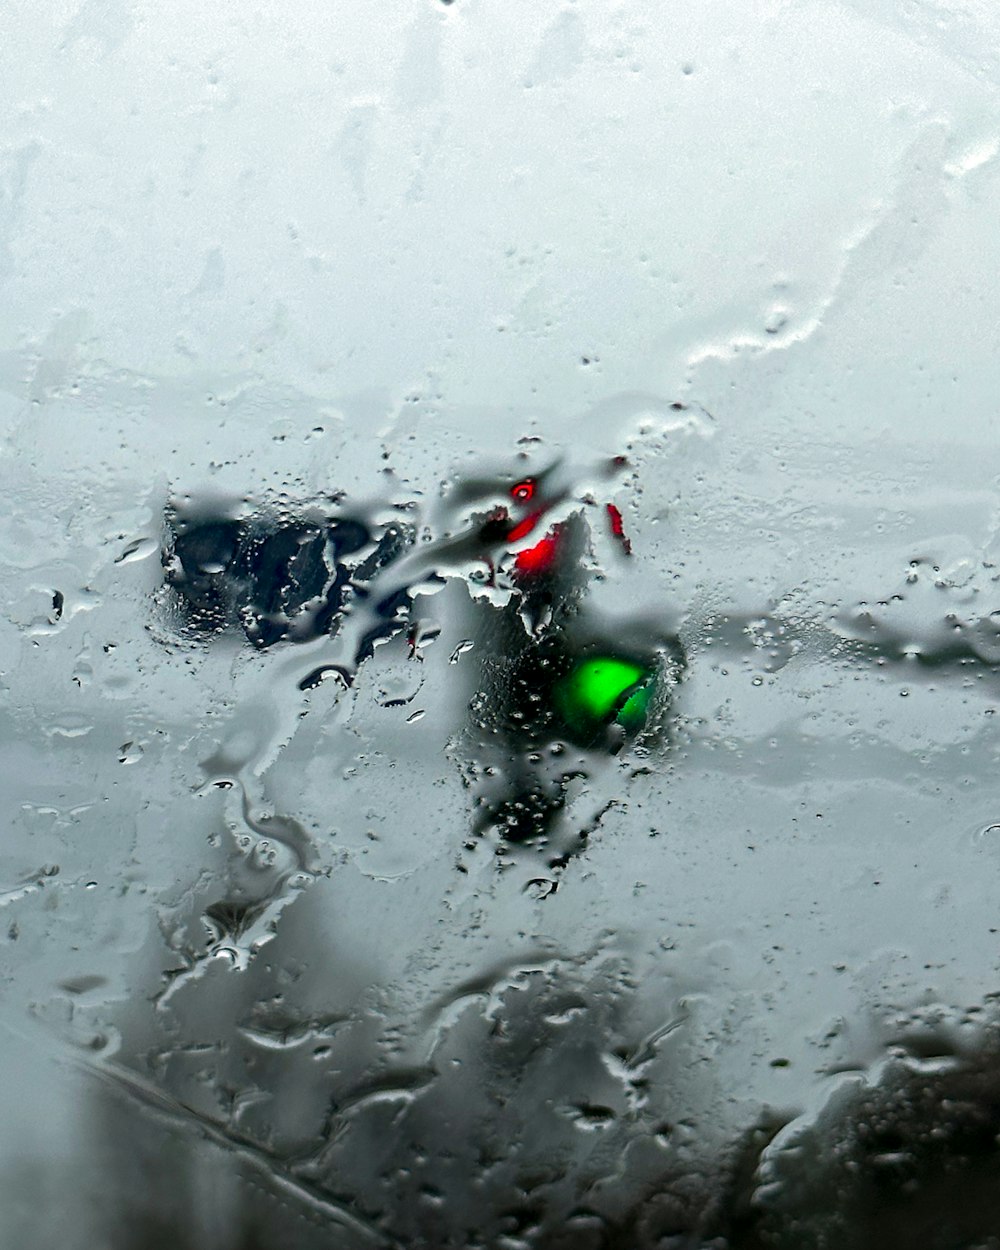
558, 691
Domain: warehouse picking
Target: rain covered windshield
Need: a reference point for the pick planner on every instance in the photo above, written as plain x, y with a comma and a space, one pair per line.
500, 633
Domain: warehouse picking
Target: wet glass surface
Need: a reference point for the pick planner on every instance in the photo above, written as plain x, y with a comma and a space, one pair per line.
500, 634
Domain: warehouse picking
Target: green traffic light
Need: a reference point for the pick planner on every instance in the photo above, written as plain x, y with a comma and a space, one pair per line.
632, 713
604, 688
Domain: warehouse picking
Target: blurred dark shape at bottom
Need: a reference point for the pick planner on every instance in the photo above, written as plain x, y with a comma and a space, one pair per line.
911, 1162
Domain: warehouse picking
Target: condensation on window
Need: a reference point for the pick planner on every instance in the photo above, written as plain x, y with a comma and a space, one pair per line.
499, 626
